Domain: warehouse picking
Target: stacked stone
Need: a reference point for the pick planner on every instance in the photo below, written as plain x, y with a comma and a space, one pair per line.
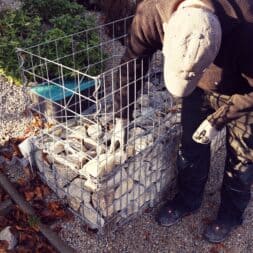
76, 163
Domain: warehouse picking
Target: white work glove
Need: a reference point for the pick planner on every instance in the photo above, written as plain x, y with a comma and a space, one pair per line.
205, 133
118, 135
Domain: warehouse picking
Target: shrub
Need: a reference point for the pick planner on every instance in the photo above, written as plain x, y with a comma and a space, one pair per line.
43, 20
48, 9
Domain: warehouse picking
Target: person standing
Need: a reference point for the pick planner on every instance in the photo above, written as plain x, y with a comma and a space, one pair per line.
208, 61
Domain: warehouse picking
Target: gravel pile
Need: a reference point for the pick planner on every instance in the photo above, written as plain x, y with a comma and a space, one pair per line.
142, 234
13, 116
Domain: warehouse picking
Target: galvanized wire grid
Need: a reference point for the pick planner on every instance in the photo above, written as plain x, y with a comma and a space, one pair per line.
77, 102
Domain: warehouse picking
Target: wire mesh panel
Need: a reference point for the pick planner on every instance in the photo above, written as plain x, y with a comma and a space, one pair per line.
73, 83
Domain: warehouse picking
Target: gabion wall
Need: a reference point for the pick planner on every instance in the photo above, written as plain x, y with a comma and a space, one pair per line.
113, 187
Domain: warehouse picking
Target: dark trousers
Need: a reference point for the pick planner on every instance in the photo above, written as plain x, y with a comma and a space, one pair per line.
194, 158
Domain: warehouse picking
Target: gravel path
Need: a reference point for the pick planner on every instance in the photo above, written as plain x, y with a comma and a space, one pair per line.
142, 234
13, 118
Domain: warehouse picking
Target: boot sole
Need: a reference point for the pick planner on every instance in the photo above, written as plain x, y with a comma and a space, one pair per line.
222, 240
178, 220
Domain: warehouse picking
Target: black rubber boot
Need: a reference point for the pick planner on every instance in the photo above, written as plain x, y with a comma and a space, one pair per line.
218, 231
172, 212
191, 181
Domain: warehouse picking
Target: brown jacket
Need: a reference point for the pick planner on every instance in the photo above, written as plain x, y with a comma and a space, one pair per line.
232, 71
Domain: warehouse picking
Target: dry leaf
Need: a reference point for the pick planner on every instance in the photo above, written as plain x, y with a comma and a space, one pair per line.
218, 248
21, 182
27, 240
4, 246
48, 125
38, 192
28, 172
29, 195
44, 248
22, 249
206, 220
46, 190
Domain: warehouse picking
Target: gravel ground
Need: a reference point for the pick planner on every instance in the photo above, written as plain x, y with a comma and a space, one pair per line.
13, 117
142, 234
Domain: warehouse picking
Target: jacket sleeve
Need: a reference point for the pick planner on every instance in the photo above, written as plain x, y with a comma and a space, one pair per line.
143, 41
238, 105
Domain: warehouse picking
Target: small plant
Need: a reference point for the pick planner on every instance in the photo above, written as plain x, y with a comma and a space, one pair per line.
45, 20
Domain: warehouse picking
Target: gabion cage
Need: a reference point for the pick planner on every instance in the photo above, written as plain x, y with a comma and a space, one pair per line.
72, 90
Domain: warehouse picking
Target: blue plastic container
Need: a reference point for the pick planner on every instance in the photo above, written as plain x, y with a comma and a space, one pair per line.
62, 101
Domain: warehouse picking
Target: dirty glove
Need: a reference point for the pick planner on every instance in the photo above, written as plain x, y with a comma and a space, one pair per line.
205, 133
118, 135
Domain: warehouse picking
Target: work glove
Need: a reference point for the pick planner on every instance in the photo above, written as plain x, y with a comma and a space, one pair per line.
205, 133
118, 139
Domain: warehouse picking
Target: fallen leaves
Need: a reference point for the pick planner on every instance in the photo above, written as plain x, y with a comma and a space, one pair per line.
29, 195
36, 193
26, 227
3, 246
54, 210
36, 125
218, 248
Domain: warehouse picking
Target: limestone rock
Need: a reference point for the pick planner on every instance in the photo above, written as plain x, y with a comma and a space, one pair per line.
120, 157
150, 195
91, 185
63, 175
103, 201
148, 112
122, 203
63, 161
143, 100
76, 190
95, 131
54, 147
79, 159
136, 132
98, 166
58, 131
144, 175
143, 142
130, 150
58, 175
74, 203
40, 162
76, 145
133, 206
138, 168
106, 118
7, 235
136, 113
124, 187
144, 121
136, 192
78, 132
89, 143
149, 86
120, 176
94, 219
